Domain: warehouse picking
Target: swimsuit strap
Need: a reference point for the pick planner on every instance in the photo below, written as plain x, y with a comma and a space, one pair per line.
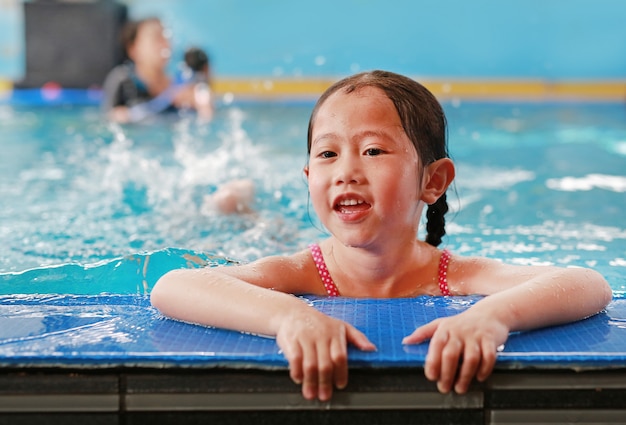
444, 260
333, 291
318, 259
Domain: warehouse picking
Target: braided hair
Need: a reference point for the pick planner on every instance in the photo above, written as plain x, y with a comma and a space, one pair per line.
423, 120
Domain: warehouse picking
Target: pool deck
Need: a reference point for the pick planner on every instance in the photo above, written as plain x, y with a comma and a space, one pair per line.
113, 359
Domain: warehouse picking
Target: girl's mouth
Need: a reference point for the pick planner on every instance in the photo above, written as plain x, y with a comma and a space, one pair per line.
351, 206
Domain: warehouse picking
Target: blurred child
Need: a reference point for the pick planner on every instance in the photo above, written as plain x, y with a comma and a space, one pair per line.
197, 66
141, 87
197, 71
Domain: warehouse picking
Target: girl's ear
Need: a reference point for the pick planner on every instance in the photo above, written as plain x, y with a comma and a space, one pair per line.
306, 171
437, 178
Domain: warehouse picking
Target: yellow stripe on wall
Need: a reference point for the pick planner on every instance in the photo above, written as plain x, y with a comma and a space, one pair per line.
5, 85
535, 90
472, 89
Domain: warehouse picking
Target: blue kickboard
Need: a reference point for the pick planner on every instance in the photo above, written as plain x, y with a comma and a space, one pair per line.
124, 330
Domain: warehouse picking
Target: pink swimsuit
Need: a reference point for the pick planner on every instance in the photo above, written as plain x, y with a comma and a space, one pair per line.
332, 290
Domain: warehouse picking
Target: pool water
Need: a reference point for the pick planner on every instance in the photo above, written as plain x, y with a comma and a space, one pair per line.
92, 207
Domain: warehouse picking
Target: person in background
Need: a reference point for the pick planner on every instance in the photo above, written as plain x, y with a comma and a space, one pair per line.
141, 87
196, 70
197, 66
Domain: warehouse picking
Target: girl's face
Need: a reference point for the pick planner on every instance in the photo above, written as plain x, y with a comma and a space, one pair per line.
151, 47
364, 173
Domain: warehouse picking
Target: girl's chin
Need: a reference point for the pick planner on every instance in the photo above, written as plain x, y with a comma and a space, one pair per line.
353, 241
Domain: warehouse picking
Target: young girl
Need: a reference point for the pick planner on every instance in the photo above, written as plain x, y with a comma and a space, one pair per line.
377, 156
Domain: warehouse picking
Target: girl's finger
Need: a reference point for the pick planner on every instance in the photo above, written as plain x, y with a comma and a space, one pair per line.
432, 367
422, 333
310, 372
293, 353
489, 355
324, 372
450, 356
471, 361
339, 359
358, 339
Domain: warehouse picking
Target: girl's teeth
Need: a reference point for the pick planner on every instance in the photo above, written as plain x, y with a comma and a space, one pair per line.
350, 202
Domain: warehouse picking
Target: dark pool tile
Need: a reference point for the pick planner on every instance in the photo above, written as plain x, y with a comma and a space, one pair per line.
561, 399
57, 382
315, 417
59, 419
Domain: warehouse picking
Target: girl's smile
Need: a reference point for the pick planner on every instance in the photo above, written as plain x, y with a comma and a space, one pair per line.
351, 207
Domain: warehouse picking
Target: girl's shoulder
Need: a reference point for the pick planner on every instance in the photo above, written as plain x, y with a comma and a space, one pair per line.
485, 276
471, 275
295, 273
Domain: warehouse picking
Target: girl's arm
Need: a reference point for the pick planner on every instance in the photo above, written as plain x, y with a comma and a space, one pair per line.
520, 298
314, 344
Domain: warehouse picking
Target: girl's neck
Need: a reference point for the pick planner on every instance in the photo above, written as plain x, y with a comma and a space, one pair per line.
404, 269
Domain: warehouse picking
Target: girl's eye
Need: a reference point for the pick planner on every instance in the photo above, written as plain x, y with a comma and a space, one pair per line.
373, 151
327, 154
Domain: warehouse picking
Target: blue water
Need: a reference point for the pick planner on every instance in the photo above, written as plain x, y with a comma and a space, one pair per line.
88, 207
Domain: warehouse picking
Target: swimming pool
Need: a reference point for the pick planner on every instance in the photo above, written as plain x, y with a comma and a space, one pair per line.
536, 184
93, 214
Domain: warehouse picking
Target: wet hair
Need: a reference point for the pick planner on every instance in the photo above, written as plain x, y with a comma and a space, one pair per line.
130, 30
423, 121
196, 59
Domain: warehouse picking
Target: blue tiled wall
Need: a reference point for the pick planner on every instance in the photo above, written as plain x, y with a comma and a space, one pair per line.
552, 39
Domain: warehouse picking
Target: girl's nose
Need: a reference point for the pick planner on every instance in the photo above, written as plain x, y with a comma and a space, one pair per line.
348, 171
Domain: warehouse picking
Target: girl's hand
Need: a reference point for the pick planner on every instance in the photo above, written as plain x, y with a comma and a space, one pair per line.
316, 347
467, 341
